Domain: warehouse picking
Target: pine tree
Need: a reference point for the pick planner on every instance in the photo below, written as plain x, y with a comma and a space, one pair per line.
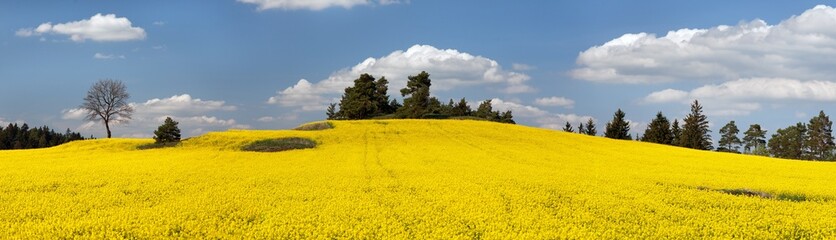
168, 132
360, 101
331, 112
416, 96
729, 142
659, 130
676, 132
695, 132
461, 109
486, 111
753, 138
618, 128
789, 142
507, 117
381, 97
581, 129
568, 128
590, 128
820, 137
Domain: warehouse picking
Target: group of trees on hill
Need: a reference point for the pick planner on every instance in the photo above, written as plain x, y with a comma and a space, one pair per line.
23, 137
811, 141
368, 98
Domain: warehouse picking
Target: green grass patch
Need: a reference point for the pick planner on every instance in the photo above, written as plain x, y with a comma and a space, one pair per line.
315, 126
278, 145
157, 145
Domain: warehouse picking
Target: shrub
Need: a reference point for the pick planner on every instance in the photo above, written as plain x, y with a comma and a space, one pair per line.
315, 126
157, 145
281, 144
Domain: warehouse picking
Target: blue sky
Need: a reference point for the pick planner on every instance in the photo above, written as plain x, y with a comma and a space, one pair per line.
272, 64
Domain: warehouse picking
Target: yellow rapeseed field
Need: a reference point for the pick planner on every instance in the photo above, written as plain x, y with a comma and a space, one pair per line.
400, 179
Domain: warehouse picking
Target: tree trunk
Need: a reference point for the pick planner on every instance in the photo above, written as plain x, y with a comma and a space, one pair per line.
107, 126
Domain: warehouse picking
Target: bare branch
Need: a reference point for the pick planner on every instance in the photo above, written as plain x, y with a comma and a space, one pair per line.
107, 100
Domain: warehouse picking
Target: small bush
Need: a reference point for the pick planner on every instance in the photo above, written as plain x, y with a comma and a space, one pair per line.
281, 144
435, 116
157, 145
315, 126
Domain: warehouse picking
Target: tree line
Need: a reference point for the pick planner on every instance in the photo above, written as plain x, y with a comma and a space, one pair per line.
811, 141
368, 98
23, 137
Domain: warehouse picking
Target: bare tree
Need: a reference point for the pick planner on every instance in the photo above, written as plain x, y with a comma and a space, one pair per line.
107, 101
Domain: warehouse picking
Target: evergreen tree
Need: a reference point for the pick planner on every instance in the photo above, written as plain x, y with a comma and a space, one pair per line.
590, 128
753, 138
618, 128
581, 128
395, 105
486, 111
507, 117
695, 133
416, 96
434, 106
331, 112
676, 132
729, 142
789, 142
820, 137
360, 101
168, 132
568, 128
461, 109
659, 130
381, 97
23, 137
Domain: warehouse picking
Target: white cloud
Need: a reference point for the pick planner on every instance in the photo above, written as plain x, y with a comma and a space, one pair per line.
74, 114
314, 5
448, 69
800, 47
743, 96
558, 121
183, 103
290, 117
103, 56
100, 28
556, 101
191, 113
516, 108
24, 32
667, 95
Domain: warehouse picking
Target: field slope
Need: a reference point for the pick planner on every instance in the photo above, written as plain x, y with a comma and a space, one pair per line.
411, 179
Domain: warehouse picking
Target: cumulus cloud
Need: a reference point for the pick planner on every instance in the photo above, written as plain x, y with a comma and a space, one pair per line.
448, 69
516, 108
741, 97
314, 5
100, 28
557, 121
4, 122
183, 103
267, 119
800, 47
73, 114
102, 56
191, 113
556, 101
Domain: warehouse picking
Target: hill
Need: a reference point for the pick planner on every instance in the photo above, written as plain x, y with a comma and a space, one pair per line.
411, 179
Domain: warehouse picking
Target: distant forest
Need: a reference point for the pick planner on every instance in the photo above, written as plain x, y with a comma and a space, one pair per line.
23, 137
